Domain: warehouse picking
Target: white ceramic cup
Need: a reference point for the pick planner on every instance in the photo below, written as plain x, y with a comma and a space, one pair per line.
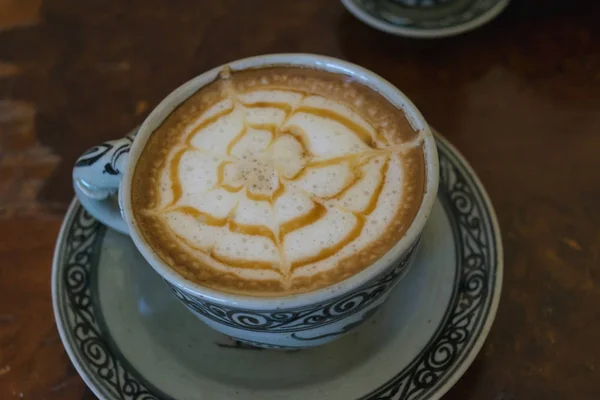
296, 321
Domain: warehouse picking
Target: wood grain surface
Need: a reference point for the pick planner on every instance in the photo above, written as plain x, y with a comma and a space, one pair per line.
520, 98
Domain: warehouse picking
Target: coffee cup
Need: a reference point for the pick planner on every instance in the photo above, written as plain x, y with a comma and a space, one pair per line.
290, 313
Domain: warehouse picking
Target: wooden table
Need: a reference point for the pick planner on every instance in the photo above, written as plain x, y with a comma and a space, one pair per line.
519, 97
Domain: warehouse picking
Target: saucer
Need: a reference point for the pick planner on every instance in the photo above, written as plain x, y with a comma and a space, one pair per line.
425, 18
131, 339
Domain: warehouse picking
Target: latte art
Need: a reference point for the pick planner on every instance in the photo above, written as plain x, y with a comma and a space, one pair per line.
278, 181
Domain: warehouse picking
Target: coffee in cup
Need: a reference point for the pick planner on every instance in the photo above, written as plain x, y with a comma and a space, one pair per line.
277, 181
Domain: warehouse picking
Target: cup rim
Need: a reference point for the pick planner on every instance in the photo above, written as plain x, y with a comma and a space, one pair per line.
364, 76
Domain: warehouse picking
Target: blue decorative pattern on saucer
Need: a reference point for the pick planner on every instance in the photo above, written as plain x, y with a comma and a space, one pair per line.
111, 374
427, 14
81, 314
471, 298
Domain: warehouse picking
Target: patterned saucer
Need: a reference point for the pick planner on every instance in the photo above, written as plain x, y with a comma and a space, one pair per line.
425, 18
130, 339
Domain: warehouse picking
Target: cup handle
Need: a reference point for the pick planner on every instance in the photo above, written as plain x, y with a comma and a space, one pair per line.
96, 178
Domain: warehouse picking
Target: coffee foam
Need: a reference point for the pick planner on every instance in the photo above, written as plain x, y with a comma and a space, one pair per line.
278, 181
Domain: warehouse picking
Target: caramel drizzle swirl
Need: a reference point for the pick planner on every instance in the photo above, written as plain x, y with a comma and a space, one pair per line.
221, 179
329, 251
316, 213
355, 232
319, 211
236, 140
234, 226
230, 261
363, 134
207, 122
174, 175
266, 104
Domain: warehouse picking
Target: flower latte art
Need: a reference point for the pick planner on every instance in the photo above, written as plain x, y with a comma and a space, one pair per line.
277, 181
